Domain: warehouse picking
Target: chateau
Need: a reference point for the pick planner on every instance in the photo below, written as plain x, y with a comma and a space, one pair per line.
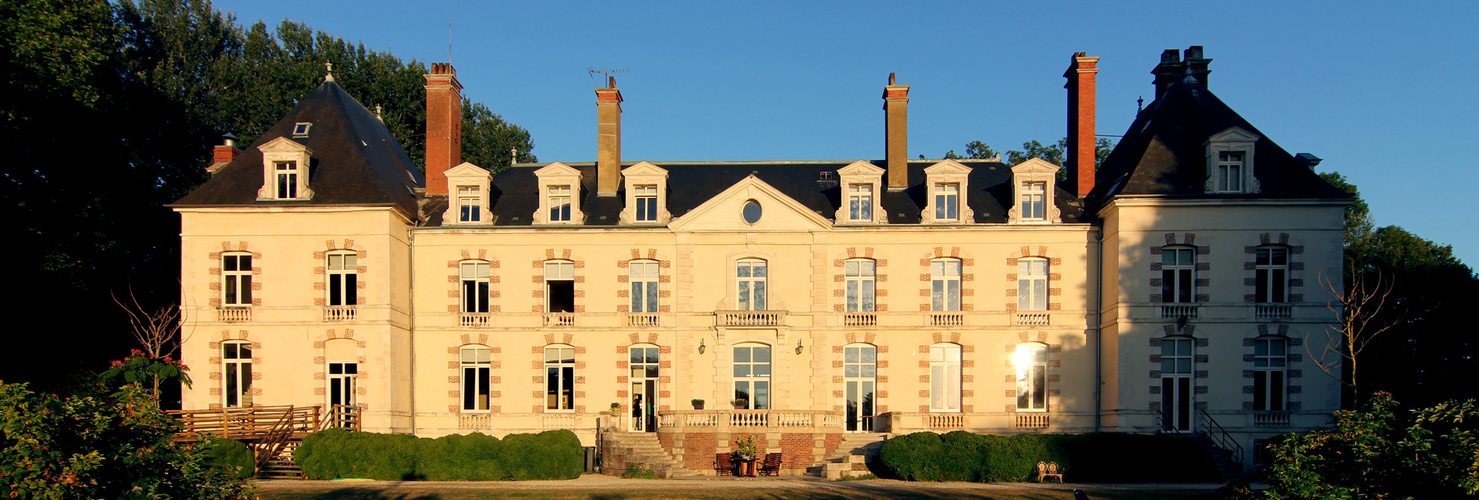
804, 302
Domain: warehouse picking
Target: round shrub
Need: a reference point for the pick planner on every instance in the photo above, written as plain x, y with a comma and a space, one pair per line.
230, 456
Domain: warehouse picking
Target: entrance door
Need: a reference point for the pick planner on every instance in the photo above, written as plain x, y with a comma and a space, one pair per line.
645, 368
341, 392
1176, 384
859, 373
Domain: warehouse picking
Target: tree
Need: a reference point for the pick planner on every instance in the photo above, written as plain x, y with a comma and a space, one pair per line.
1361, 306
1056, 154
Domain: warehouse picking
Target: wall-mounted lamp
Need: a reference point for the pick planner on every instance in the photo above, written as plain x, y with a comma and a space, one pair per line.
798, 346
700, 346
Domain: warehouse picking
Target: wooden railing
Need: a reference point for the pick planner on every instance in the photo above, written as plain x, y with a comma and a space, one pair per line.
749, 318
252, 423
345, 417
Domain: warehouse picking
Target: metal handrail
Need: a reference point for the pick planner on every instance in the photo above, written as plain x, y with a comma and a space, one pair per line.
1221, 439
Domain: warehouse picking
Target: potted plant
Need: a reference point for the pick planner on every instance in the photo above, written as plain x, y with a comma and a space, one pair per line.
616, 408
745, 451
740, 403
698, 404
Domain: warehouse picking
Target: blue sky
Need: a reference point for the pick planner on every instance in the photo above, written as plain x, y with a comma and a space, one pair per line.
1382, 91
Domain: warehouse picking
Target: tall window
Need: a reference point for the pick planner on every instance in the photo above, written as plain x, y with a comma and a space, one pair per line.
474, 286
860, 275
750, 276
644, 285
469, 204
945, 377
1032, 284
945, 285
559, 379
236, 368
1270, 356
1178, 274
645, 365
947, 201
343, 277
752, 376
559, 203
1230, 171
559, 281
286, 174
1034, 195
236, 280
646, 202
859, 375
341, 382
1176, 383
476, 374
860, 202
1031, 362
1271, 274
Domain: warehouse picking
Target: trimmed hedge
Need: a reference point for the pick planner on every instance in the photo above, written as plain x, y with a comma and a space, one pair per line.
231, 456
1089, 458
336, 453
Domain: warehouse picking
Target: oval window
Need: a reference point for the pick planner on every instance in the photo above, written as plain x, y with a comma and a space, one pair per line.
751, 212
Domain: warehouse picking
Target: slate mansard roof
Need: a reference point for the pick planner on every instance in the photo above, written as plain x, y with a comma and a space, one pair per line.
356, 160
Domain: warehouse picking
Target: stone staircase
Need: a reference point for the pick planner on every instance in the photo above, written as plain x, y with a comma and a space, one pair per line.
852, 456
643, 450
1226, 467
281, 466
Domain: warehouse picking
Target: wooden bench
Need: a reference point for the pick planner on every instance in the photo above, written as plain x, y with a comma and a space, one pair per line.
1046, 470
723, 464
772, 465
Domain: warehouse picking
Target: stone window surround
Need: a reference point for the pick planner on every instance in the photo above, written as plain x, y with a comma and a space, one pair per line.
454, 381
1054, 263
320, 273
643, 174
1199, 362
839, 277
219, 390
454, 280
1203, 267
241, 247
947, 172
320, 343
966, 277
537, 364
1250, 266
578, 279
731, 294
1034, 170
283, 149
880, 381
558, 174
861, 173
1055, 364
966, 378
1233, 139
468, 174
1291, 371
664, 279
664, 379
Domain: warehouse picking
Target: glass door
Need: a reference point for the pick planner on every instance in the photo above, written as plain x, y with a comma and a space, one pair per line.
859, 373
645, 367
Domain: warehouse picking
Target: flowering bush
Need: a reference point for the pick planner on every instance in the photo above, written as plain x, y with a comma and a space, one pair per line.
140, 367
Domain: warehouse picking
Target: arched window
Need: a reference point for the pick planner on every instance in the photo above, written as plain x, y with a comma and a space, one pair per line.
236, 372
945, 377
1271, 274
1032, 284
1031, 361
1270, 360
476, 376
752, 375
859, 377
945, 285
859, 275
750, 275
559, 379
1178, 362
1178, 274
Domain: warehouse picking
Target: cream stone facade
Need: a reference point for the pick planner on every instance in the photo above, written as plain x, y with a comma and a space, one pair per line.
833, 297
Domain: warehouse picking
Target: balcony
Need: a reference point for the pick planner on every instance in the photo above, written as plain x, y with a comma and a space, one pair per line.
333, 314
643, 320
1032, 421
749, 318
1172, 311
1273, 311
559, 320
1032, 318
474, 319
868, 318
234, 314
1270, 418
944, 319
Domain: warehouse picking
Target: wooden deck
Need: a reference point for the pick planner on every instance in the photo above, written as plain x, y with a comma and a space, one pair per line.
271, 431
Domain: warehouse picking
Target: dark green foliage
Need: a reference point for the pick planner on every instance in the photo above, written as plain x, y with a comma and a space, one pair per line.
336, 453
229, 455
1094, 458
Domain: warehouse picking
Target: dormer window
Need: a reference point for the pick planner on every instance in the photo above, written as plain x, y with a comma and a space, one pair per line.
469, 208
559, 200
285, 170
946, 203
300, 129
1033, 182
646, 196
859, 202
470, 203
860, 182
1230, 162
559, 204
286, 175
646, 203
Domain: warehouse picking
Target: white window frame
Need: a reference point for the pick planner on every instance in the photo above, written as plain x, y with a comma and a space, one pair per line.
1218, 146
1178, 274
1270, 280
560, 202
643, 276
862, 184
469, 204
750, 289
236, 279
946, 200
473, 295
1034, 182
646, 195
1032, 283
345, 381
947, 180
945, 284
471, 186
476, 377
1178, 371
558, 182
341, 274
859, 281
749, 374
1270, 374
1031, 363
859, 202
945, 377
860, 381
1033, 197
285, 151
558, 271
236, 374
559, 383
646, 198
285, 175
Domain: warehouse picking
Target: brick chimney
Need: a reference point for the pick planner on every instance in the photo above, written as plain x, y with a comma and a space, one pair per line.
443, 126
1082, 73
226, 151
608, 138
896, 133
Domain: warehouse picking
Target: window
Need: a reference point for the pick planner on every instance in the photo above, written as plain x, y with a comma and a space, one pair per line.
286, 174
647, 203
945, 285
300, 129
559, 203
474, 287
343, 277
236, 368
1178, 274
752, 376
1176, 383
947, 201
1032, 284
341, 382
945, 377
859, 275
236, 280
1031, 361
559, 379
645, 367
752, 212
860, 202
559, 282
750, 276
1270, 356
469, 204
859, 374
644, 285
1230, 171
476, 374
1034, 196
1271, 274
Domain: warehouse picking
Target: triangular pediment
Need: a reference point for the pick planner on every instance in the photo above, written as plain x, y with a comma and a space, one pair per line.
860, 167
724, 212
947, 167
1036, 166
555, 169
284, 145
644, 168
466, 169
1233, 134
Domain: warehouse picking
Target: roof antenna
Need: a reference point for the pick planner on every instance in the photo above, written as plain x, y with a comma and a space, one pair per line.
449, 44
329, 74
606, 73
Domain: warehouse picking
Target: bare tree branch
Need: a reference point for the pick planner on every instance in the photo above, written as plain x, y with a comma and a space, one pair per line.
1358, 306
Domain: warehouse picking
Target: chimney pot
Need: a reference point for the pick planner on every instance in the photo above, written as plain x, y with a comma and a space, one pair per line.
443, 126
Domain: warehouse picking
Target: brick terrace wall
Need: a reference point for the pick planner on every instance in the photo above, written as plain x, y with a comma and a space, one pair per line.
698, 451
798, 449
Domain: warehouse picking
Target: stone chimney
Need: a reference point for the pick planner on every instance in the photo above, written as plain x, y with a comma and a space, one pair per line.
1196, 65
443, 126
1082, 73
1169, 71
896, 133
608, 138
